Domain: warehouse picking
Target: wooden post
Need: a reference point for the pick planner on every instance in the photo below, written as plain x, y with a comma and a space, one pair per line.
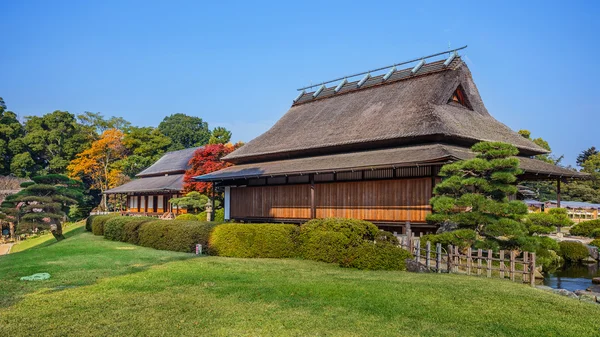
450, 258
489, 263
438, 257
502, 264
532, 270
428, 257
512, 265
418, 251
479, 257
525, 267
212, 202
469, 260
313, 206
457, 257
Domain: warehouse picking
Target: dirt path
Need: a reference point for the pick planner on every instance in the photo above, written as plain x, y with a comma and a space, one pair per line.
5, 248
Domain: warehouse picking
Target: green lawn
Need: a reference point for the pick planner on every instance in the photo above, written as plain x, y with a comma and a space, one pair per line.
104, 288
46, 239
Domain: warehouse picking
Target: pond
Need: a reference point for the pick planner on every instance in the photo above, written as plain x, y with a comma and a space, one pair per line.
572, 277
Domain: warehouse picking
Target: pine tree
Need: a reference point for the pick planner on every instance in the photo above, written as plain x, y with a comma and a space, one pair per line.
43, 203
473, 193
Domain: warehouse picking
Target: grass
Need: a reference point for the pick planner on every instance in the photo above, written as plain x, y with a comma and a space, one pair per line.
101, 288
47, 239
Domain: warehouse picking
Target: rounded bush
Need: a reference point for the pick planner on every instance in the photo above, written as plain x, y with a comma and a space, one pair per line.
219, 215
328, 239
254, 240
595, 243
585, 228
98, 222
174, 235
201, 216
374, 256
573, 251
186, 216
595, 233
114, 229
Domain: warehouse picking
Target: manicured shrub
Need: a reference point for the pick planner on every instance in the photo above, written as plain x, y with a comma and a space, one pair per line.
573, 251
595, 243
114, 229
254, 240
186, 216
585, 228
462, 238
595, 233
328, 239
175, 235
376, 256
98, 223
201, 216
219, 215
88, 222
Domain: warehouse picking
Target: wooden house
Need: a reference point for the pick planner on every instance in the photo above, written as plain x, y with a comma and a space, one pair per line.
150, 193
369, 148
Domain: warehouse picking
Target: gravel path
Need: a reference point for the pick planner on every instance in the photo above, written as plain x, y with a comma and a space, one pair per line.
5, 248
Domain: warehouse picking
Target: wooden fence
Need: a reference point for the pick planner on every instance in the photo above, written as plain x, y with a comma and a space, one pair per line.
452, 259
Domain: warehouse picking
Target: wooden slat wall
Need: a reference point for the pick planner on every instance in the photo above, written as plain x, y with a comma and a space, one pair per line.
284, 202
378, 200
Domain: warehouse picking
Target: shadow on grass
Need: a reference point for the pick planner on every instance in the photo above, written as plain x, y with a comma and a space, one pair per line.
80, 260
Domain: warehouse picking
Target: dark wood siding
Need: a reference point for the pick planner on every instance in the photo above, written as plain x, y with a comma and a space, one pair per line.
376, 200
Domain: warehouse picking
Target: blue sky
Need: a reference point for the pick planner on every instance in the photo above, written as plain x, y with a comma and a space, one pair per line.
237, 64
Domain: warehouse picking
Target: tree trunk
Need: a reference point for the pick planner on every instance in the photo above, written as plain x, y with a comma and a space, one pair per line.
58, 231
11, 228
104, 203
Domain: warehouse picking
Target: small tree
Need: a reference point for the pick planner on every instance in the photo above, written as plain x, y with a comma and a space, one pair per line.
474, 193
194, 202
544, 223
45, 201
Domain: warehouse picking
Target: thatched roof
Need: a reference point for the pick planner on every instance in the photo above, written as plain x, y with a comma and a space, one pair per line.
416, 155
402, 110
170, 183
170, 162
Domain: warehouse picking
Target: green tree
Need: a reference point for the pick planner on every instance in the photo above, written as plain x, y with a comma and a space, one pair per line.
220, 135
185, 131
97, 124
194, 202
585, 155
474, 193
54, 140
11, 132
44, 202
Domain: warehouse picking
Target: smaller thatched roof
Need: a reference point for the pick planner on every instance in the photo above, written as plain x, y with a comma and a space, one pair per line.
418, 155
169, 183
170, 162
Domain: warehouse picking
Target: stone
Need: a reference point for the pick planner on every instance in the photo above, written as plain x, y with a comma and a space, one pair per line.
589, 259
596, 280
593, 252
594, 288
588, 298
565, 292
415, 267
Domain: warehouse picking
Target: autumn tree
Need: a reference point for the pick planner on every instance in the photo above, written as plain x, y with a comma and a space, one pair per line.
96, 163
206, 160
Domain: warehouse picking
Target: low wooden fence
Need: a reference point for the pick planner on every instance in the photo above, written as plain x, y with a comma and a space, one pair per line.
451, 259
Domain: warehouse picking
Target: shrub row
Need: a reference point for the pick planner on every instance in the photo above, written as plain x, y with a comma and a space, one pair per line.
255, 240
586, 228
175, 235
95, 223
219, 216
125, 228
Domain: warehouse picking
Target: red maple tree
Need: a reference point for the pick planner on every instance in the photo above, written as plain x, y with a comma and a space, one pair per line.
206, 160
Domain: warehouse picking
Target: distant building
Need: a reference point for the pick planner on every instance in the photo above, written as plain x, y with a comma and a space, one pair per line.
156, 185
369, 148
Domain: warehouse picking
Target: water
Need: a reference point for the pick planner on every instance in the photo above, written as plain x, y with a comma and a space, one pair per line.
573, 277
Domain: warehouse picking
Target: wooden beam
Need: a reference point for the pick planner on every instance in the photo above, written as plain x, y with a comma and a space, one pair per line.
313, 206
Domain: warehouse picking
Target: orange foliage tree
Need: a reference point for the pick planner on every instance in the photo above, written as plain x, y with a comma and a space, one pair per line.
94, 164
206, 160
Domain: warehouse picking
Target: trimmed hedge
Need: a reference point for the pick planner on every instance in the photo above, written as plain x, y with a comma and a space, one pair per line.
573, 251
186, 216
98, 222
328, 240
254, 240
376, 256
585, 228
175, 235
124, 228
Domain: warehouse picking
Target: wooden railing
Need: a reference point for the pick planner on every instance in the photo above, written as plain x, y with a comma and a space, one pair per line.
451, 259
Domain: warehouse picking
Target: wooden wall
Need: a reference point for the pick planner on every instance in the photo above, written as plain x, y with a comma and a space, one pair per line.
376, 200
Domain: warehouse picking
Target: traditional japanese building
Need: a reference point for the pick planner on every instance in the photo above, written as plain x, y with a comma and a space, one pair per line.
150, 193
370, 147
